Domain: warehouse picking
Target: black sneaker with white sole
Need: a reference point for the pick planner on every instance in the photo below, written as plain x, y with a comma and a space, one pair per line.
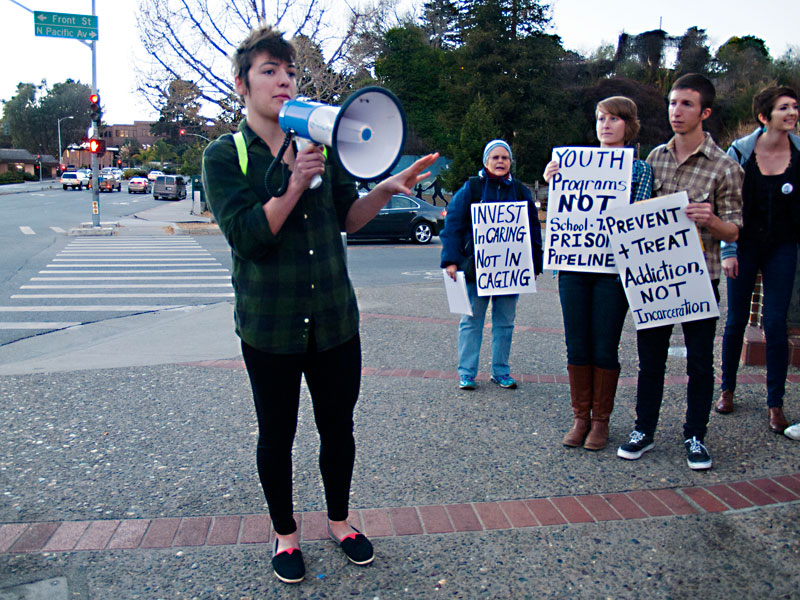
638, 443
697, 456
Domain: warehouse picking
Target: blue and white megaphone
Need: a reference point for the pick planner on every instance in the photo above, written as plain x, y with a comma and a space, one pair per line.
367, 132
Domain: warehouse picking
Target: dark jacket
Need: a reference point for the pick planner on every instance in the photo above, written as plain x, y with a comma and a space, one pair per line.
741, 150
456, 237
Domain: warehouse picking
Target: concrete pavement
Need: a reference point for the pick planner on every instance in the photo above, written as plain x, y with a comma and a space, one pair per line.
128, 469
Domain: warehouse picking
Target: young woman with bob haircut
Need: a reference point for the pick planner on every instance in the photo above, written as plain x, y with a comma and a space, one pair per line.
594, 304
767, 243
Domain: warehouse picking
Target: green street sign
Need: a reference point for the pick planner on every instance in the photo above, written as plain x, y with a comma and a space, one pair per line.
75, 27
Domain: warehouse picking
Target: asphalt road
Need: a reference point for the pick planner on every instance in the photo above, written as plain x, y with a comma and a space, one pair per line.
51, 281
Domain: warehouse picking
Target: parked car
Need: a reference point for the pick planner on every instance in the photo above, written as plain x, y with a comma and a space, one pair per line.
404, 217
169, 187
72, 179
153, 174
139, 185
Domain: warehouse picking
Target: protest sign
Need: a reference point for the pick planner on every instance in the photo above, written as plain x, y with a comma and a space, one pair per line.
661, 262
503, 257
589, 182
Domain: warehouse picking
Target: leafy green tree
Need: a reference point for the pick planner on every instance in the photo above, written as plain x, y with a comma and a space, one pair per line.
180, 110
32, 115
478, 128
413, 70
744, 62
192, 159
129, 149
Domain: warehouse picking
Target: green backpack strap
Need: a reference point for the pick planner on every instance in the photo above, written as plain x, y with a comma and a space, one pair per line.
241, 150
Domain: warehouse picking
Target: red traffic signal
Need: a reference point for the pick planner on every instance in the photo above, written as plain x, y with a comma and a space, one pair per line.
182, 131
97, 146
94, 105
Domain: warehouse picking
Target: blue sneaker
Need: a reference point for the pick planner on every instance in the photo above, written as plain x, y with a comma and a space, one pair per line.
466, 382
504, 381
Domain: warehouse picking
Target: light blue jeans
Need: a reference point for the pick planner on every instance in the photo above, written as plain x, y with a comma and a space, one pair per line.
470, 332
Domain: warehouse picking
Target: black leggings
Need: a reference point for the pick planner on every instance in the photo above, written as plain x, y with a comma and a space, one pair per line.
333, 378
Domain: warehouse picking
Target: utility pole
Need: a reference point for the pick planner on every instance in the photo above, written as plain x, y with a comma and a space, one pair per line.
95, 132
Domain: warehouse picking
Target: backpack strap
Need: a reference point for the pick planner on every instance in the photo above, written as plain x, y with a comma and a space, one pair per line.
475, 189
241, 150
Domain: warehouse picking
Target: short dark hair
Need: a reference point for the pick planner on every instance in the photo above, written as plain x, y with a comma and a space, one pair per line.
261, 39
698, 83
765, 100
624, 108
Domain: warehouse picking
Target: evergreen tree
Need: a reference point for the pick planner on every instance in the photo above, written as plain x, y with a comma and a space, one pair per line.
440, 22
694, 55
478, 128
413, 70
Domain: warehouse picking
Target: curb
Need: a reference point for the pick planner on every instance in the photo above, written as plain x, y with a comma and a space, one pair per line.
236, 530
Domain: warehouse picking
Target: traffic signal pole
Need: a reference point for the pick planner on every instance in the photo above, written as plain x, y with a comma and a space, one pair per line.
95, 133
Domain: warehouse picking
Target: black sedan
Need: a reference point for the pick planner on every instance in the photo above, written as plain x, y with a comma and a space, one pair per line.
404, 217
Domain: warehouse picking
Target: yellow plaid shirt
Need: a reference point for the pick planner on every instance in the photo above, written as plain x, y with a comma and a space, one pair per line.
707, 175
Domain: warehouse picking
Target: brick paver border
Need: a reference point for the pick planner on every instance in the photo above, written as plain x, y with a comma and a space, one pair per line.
233, 530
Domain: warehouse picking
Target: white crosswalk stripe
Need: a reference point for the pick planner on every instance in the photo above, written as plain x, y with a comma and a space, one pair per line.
94, 273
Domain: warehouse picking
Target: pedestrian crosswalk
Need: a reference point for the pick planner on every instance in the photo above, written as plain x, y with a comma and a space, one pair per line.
93, 278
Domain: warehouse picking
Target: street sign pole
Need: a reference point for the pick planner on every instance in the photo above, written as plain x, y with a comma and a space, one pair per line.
82, 28
95, 132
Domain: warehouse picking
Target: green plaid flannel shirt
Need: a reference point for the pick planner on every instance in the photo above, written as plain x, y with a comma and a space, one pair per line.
286, 283
707, 175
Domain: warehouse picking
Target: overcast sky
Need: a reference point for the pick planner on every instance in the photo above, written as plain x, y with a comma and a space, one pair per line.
582, 24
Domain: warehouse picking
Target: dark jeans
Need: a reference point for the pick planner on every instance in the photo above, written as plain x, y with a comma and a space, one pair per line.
333, 378
594, 308
777, 265
653, 345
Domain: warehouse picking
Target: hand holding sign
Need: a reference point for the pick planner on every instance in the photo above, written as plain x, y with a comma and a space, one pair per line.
584, 184
661, 262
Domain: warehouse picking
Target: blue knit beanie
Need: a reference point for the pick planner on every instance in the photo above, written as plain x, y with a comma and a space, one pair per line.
495, 144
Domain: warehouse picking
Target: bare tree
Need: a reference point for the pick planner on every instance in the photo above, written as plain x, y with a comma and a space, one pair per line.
191, 40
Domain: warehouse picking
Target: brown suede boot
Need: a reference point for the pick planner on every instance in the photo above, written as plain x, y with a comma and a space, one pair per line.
605, 388
580, 390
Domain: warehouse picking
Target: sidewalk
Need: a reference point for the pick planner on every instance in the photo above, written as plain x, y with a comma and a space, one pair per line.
29, 186
128, 470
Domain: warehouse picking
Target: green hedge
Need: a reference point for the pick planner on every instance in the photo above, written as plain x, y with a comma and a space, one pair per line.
11, 177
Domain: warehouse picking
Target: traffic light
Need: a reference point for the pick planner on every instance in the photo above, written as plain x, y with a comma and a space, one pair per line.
94, 105
97, 146
182, 131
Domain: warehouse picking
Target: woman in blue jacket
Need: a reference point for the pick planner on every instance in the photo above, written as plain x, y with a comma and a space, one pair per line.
493, 184
767, 242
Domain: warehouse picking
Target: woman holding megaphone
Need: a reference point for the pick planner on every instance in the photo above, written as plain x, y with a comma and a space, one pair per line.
295, 308
594, 304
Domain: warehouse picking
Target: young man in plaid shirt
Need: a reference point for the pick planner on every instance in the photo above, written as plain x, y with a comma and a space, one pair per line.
690, 162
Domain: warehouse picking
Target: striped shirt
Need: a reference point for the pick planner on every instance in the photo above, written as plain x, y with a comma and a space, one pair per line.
706, 175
